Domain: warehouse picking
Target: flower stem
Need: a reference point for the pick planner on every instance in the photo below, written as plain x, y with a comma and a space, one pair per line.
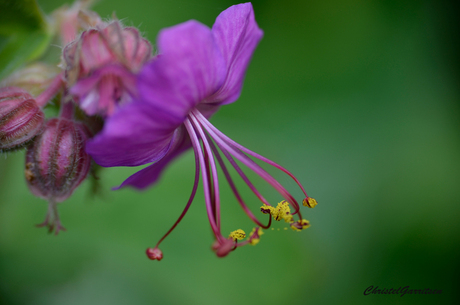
67, 110
51, 91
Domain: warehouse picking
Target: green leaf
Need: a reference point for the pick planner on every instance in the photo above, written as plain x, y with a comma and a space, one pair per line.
24, 34
21, 15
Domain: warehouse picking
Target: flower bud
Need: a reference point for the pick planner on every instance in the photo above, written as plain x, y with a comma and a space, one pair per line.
21, 119
70, 20
107, 44
56, 162
34, 78
100, 66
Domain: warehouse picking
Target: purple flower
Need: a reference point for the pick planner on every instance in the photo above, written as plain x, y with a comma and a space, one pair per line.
198, 70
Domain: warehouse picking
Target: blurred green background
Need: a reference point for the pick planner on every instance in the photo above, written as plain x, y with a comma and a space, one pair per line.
359, 99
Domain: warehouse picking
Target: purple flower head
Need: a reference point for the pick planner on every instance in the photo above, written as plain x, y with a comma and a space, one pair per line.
198, 70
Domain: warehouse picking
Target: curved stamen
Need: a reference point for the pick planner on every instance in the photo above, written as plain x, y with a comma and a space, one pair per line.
253, 166
190, 200
233, 187
215, 180
243, 175
207, 196
248, 151
211, 188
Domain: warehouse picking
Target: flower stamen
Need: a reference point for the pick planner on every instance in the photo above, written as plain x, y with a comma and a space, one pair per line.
309, 202
154, 253
228, 146
300, 225
233, 187
206, 185
254, 236
282, 211
237, 235
150, 251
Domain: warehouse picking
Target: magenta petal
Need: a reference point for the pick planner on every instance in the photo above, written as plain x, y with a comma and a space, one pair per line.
85, 85
106, 88
189, 70
137, 134
149, 175
237, 35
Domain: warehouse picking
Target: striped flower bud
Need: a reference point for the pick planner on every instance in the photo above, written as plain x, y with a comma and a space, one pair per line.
21, 119
34, 78
56, 163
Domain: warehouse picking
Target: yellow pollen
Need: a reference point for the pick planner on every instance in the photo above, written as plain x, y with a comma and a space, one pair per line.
309, 202
267, 209
300, 225
255, 240
282, 211
237, 235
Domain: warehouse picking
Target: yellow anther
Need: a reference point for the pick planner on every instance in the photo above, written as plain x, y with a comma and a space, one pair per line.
237, 235
300, 225
282, 211
267, 209
309, 202
254, 237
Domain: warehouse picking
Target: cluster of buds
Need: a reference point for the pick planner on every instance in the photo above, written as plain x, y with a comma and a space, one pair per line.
97, 73
153, 108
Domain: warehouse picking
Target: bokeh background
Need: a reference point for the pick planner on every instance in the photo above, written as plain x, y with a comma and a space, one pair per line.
359, 99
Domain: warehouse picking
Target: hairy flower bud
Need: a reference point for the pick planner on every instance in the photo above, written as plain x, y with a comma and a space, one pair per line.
56, 163
70, 20
100, 66
21, 119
